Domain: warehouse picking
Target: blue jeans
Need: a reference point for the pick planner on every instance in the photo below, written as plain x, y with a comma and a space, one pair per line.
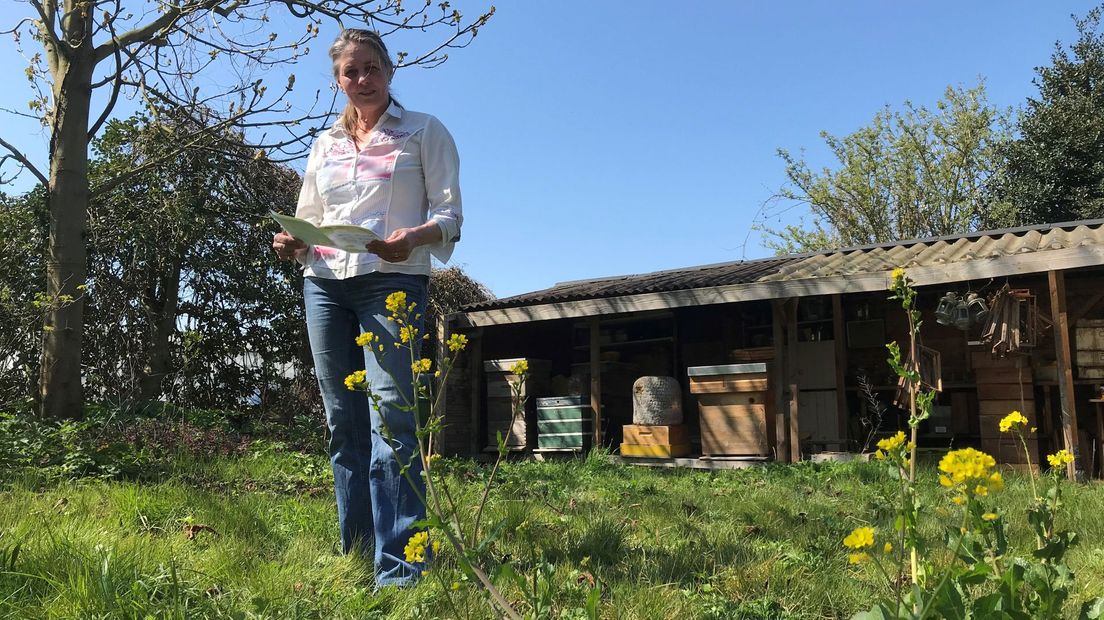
374, 500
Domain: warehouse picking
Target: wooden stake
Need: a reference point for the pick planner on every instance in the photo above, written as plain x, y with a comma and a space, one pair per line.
1057, 280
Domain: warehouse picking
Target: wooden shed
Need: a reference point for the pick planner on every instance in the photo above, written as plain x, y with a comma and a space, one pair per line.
820, 322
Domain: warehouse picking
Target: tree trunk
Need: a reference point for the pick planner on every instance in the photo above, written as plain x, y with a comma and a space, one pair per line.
67, 268
162, 316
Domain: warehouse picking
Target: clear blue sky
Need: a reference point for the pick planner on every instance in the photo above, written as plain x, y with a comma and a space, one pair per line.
609, 138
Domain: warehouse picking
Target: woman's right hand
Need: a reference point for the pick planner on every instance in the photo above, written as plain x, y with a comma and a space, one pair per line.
288, 247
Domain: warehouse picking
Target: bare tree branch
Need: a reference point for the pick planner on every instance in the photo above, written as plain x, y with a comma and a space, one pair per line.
21, 158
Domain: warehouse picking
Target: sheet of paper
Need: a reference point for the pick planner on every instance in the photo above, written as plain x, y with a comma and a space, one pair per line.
344, 237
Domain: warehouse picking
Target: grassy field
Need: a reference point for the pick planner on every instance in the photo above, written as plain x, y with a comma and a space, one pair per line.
254, 535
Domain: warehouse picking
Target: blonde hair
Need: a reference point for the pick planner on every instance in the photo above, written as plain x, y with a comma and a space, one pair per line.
368, 38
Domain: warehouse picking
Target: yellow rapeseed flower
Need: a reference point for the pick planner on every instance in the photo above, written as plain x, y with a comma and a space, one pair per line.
887, 548
898, 276
860, 538
416, 546
356, 380
892, 443
858, 558
989, 516
1060, 458
457, 342
396, 302
421, 365
520, 367
366, 339
967, 464
406, 333
1014, 420
945, 481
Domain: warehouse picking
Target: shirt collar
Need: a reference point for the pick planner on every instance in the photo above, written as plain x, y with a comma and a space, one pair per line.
393, 110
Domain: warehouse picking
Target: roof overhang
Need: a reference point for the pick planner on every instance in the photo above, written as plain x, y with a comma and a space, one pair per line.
1039, 261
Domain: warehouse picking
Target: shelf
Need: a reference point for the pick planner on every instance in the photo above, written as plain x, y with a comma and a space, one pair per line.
624, 343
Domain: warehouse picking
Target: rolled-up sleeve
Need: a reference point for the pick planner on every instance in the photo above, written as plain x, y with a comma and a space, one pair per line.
441, 167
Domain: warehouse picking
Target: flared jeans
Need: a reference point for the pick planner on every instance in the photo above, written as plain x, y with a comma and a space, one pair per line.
375, 502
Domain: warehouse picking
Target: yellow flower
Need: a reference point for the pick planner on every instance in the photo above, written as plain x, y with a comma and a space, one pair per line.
421, 365
945, 481
436, 547
407, 333
356, 380
1060, 458
958, 500
396, 302
416, 546
966, 465
520, 367
860, 538
989, 516
878, 454
996, 481
1014, 420
892, 443
457, 342
887, 548
981, 490
366, 339
898, 277
858, 558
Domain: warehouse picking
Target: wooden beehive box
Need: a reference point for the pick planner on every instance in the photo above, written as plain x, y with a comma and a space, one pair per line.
1089, 336
733, 408
518, 432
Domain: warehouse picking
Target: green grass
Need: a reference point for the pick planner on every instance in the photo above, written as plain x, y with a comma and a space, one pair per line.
758, 543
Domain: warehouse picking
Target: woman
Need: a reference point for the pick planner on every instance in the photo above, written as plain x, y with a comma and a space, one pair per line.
397, 172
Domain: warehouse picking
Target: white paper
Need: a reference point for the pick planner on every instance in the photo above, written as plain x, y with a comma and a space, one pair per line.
341, 236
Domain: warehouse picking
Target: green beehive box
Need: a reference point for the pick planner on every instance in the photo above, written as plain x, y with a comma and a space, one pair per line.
550, 427
561, 441
564, 408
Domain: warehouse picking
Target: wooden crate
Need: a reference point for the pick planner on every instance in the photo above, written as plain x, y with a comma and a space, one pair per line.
520, 432
732, 426
666, 451
651, 434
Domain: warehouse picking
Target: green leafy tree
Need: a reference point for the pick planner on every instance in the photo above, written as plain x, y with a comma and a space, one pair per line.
162, 54
22, 265
914, 173
1055, 168
184, 300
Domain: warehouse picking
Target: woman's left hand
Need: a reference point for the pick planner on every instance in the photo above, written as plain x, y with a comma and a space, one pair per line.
397, 247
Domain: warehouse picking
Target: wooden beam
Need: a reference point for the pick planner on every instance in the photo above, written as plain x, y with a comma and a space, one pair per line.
839, 328
1057, 281
781, 432
998, 267
476, 381
792, 371
596, 379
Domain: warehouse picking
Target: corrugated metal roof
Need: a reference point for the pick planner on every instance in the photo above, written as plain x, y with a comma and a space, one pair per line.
871, 259
942, 251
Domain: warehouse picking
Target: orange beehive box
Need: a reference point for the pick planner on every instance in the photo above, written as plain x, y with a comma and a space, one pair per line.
655, 435
655, 451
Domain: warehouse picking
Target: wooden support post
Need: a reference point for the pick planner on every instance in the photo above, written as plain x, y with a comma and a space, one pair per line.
792, 371
596, 379
839, 331
778, 382
1057, 280
479, 423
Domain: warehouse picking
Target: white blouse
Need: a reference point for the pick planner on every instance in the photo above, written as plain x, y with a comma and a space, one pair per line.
407, 173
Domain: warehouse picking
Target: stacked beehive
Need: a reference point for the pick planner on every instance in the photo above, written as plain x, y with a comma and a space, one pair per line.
1000, 384
564, 423
518, 432
733, 408
657, 430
